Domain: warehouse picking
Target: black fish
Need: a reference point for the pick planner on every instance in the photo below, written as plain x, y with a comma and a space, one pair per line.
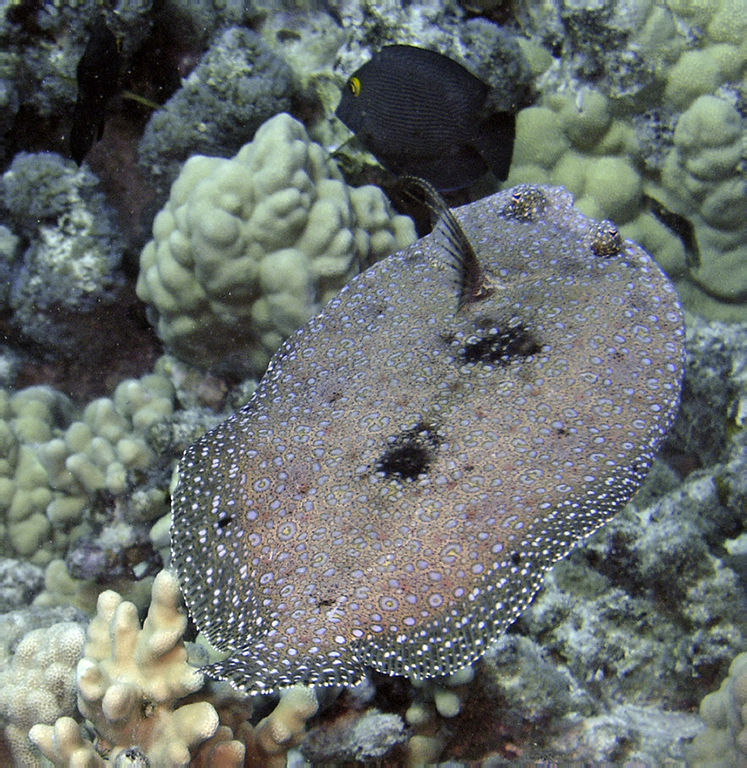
423, 114
98, 76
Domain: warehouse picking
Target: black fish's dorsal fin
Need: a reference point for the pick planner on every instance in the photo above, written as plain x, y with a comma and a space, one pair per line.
473, 285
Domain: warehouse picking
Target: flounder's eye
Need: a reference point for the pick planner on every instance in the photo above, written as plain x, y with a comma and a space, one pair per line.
355, 86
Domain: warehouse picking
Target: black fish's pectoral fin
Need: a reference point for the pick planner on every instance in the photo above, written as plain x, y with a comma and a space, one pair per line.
494, 141
473, 284
681, 226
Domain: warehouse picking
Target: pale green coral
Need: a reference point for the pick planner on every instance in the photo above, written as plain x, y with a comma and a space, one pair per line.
700, 72
247, 249
704, 178
585, 120
29, 418
573, 141
97, 452
613, 147
61, 589
52, 460
725, 713
38, 685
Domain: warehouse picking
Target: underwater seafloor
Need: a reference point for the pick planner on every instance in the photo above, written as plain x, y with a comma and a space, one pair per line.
135, 317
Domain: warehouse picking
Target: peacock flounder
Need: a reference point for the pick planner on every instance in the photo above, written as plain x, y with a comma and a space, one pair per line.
420, 454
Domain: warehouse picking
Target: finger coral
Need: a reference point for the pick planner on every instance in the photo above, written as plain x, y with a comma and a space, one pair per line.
53, 459
133, 682
285, 727
131, 679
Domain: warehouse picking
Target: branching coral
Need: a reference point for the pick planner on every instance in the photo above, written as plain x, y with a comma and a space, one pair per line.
130, 682
137, 691
284, 728
131, 678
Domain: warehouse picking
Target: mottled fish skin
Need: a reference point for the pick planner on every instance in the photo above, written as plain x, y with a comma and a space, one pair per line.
406, 473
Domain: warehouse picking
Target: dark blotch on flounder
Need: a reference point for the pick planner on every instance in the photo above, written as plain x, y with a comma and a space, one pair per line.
411, 465
410, 453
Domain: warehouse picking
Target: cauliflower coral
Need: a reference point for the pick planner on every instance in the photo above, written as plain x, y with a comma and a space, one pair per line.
138, 694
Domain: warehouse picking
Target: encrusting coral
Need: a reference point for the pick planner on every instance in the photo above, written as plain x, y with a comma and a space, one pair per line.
247, 249
238, 84
71, 269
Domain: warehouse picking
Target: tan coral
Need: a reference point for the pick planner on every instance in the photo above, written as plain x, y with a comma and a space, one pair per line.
63, 743
131, 679
283, 729
220, 751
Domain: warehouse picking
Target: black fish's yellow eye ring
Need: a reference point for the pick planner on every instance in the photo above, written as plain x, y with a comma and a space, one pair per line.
355, 86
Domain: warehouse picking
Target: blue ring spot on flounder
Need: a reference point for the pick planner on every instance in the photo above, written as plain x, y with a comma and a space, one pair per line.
411, 464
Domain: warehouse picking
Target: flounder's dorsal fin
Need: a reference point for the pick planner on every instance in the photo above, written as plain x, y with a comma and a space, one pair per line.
473, 285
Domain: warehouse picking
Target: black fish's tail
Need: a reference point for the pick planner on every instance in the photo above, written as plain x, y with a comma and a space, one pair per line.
494, 141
